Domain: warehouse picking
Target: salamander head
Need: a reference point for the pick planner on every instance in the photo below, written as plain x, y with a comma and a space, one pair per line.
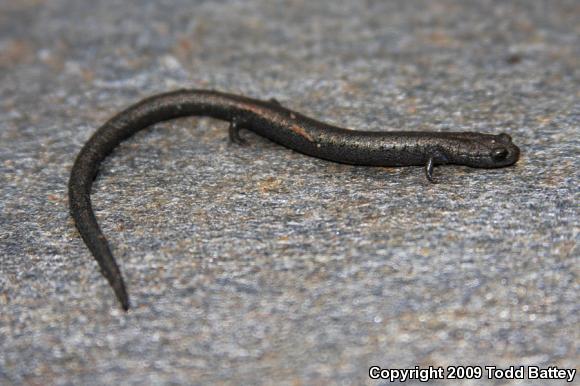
485, 151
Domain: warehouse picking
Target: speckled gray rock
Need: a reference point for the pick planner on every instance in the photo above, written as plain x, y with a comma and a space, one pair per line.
259, 265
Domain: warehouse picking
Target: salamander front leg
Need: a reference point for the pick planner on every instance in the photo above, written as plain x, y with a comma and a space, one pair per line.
429, 170
234, 132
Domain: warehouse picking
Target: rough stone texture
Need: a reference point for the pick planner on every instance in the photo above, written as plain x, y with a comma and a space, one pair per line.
260, 265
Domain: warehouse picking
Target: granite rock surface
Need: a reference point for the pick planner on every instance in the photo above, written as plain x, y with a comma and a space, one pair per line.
258, 265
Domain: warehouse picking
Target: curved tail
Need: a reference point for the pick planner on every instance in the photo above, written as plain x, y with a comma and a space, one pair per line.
81, 211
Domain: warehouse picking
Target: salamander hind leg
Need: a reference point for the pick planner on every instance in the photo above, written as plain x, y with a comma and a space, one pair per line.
234, 132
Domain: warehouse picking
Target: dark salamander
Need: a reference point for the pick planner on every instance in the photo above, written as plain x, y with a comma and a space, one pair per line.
281, 125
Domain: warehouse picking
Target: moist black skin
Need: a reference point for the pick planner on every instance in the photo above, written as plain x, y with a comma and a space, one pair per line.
281, 125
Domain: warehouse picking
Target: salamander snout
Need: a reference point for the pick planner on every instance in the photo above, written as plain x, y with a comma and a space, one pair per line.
484, 150
503, 151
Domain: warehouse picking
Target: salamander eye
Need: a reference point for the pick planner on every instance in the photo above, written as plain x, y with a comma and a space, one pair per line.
499, 153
